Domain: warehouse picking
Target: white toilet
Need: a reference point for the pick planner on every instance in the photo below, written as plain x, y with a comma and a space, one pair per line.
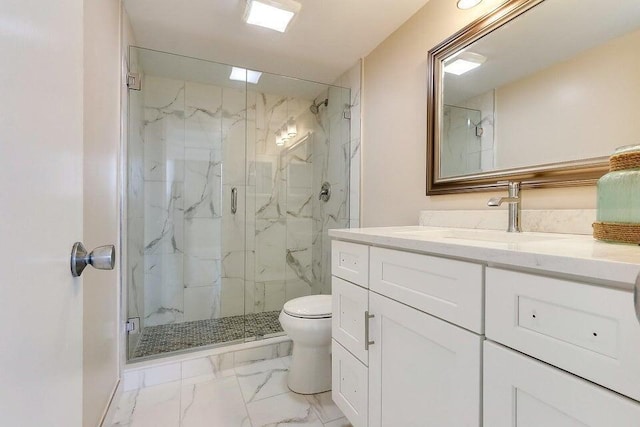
307, 321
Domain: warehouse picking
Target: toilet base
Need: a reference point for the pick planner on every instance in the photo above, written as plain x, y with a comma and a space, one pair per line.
310, 370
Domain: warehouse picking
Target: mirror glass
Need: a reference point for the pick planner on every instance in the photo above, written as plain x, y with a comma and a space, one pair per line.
556, 84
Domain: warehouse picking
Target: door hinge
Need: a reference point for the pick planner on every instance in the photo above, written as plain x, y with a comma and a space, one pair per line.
133, 81
132, 326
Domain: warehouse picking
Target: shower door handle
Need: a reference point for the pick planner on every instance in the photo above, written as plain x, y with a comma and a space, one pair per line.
234, 200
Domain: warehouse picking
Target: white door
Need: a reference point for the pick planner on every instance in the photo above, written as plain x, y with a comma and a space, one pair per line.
41, 114
523, 392
423, 372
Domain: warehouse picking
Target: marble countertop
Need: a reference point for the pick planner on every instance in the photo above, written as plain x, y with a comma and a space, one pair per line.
567, 254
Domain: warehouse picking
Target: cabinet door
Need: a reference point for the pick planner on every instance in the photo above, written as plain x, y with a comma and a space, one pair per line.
523, 392
422, 371
349, 304
349, 385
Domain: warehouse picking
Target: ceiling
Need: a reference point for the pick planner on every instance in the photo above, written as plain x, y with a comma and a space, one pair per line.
325, 39
551, 32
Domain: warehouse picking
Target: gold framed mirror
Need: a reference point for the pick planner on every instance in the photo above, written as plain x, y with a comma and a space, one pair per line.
537, 91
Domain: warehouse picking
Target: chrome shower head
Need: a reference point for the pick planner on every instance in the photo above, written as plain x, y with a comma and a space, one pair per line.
315, 108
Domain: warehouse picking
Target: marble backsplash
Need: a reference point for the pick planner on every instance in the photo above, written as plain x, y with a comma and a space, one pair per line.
569, 221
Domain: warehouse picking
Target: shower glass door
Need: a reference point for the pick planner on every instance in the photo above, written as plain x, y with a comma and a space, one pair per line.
462, 144
224, 222
186, 203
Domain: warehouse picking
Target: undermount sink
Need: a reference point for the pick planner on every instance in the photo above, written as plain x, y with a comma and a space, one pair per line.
485, 235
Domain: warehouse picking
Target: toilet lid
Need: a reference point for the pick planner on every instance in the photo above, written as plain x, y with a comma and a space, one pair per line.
311, 307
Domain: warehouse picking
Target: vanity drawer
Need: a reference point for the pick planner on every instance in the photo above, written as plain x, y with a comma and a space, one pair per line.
349, 307
350, 261
349, 385
588, 330
448, 289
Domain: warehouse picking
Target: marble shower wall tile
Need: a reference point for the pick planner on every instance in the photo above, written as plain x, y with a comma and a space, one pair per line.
203, 183
163, 225
233, 136
203, 116
135, 267
274, 295
163, 129
270, 250
232, 297
202, 302
201, 271
332, 156
200, 141
163, 289
202, 237
186, 126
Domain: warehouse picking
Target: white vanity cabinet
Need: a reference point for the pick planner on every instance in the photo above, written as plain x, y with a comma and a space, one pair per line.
439, 333
395, 365
524, 392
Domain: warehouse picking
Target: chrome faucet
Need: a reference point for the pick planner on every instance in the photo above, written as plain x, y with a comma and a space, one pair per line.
514, 201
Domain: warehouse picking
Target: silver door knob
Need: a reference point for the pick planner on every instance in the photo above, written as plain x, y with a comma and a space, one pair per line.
102, 258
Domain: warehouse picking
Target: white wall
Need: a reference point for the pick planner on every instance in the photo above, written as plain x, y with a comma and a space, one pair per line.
591, 102
102, 71
394, 125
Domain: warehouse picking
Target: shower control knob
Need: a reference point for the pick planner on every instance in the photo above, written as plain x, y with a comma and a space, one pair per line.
325, 192
102, 258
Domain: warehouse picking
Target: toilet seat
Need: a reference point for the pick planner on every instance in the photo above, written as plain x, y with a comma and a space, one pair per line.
310, 307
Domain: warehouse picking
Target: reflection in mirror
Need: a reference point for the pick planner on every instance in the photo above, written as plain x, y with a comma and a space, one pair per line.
556, 85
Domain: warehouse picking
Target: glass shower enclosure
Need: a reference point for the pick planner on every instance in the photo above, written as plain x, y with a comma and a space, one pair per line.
224, 223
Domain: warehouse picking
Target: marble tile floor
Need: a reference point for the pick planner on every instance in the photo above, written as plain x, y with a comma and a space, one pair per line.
181, 336
250, 395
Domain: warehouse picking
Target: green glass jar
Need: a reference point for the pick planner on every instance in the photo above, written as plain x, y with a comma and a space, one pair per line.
619, 191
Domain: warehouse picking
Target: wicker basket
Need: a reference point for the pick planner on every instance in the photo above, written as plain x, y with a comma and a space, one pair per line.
617, 232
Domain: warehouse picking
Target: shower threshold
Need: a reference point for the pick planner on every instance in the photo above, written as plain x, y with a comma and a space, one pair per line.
181, 336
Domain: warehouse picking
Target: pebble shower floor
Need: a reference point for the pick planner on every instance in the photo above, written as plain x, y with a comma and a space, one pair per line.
180, 336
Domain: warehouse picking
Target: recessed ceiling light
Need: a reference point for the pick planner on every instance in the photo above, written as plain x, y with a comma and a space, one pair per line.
271, 14
242, 75
468, 4
463, 62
